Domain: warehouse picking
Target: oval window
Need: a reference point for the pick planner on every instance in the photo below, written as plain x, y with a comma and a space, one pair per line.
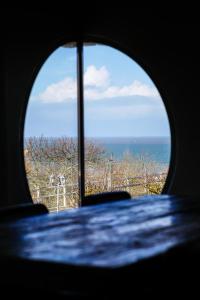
96, 128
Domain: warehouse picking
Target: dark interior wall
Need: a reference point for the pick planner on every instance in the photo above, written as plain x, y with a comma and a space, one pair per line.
168, 51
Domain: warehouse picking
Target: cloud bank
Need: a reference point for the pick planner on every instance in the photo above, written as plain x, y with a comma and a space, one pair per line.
97, 86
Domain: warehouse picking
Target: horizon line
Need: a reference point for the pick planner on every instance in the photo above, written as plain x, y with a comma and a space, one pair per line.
61, 136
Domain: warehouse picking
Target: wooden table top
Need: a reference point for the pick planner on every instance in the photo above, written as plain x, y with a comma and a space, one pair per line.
112, 236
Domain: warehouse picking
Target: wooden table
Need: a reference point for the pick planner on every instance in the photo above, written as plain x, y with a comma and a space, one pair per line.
131, 246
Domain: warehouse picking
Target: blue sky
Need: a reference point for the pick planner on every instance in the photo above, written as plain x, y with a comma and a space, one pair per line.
120, 98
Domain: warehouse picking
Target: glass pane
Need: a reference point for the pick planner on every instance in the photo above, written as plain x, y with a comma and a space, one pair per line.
127, 134
50, 135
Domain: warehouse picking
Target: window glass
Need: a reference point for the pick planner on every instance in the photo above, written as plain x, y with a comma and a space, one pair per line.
127, 135
50, 136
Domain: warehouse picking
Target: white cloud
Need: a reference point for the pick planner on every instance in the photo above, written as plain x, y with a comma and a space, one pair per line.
134, 89
97, 87
96, 77
60, 91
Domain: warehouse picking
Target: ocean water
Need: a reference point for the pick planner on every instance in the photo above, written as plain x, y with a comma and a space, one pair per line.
157, 149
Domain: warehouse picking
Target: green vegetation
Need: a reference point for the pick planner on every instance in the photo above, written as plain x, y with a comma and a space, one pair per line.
52, 172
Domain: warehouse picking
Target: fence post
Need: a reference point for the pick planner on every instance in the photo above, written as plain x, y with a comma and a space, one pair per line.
64, 195
109, 181
145, 179
128, 184
38, 194
57, 197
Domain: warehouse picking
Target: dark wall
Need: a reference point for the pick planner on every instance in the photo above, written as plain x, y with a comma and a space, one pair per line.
168, 51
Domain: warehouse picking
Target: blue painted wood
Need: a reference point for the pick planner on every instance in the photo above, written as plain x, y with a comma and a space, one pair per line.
102, 242
108, 235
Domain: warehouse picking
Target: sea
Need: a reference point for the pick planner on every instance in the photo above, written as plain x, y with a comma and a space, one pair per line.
157, 149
